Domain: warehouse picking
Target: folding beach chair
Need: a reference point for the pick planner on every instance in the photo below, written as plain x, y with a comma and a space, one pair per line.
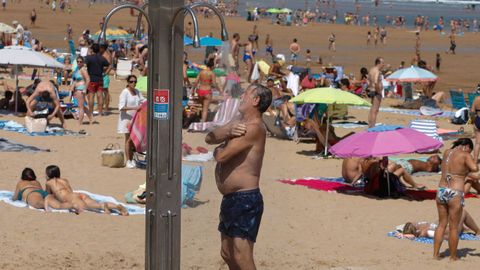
427, 127
124, 68
471, 98
458, 99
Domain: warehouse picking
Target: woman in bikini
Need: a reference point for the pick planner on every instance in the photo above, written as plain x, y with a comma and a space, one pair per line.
29, 190
457, 164
475, 112
80, 81
62, 190
206, 80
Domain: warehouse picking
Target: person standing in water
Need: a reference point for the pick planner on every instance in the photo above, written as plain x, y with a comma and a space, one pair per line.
239, 164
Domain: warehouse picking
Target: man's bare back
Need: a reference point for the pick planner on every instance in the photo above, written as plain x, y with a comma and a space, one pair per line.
352, 169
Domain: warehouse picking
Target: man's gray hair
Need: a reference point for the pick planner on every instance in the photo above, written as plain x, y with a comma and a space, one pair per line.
265, 95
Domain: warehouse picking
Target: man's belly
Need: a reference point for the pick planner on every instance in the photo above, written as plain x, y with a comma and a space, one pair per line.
235, 181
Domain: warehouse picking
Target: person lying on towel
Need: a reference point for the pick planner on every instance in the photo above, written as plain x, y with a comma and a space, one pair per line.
29, 190
63, 192
427, 229
405, 168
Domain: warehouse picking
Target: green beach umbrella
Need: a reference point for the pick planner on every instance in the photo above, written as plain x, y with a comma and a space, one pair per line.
329, 95
285, 10
274, 10
142, 84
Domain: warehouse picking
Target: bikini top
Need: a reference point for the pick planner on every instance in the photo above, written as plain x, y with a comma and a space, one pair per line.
449, 176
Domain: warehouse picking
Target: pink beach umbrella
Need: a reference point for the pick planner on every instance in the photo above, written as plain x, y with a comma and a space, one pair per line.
384, 141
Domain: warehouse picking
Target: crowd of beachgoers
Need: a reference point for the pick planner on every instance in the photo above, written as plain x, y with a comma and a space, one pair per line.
240, 98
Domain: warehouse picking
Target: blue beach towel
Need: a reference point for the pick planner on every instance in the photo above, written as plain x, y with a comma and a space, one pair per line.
17, 127
404, 111
10, 146
425, 240
6, 196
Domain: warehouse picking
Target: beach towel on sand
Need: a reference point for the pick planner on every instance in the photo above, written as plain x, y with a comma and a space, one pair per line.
6, 196
51, 131
10, 146
426, 240
138, 128
339, 185
226, 112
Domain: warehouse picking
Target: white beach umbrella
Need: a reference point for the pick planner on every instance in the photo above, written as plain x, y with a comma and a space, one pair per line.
19, 56
5, 28
26, 57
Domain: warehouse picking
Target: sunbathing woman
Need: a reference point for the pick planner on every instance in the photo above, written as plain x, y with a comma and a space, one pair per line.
457, 164
203, 87
426, 229
405, 168
63, 191
29, 190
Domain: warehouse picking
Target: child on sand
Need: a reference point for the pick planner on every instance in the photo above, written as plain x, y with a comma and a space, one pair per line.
63, 192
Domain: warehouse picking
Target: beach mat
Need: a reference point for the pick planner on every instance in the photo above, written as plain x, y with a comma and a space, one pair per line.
6, 196
405, 111
10, 146
347, 124
426, 240
339, 185
19, 128
324, 184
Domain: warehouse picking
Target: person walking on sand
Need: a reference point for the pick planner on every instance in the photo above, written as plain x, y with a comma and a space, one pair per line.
33, 17
295, 51
453, 44
239, 164
96, 66
457, 164
375, 90
331, 42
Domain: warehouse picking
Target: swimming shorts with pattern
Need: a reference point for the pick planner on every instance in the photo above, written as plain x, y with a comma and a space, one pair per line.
241, 214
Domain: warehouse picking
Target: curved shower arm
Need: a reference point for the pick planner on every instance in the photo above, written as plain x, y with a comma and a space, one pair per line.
103, 35
138, 33
224, 33
196, 38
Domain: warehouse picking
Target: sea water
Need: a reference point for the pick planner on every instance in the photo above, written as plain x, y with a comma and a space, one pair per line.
449, 9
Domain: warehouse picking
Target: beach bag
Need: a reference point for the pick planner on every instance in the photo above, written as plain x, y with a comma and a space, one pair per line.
379, 186
113, 156
460, 117
35, 125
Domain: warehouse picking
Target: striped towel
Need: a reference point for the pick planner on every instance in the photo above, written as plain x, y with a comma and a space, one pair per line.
138, 128
427, 127
226, 112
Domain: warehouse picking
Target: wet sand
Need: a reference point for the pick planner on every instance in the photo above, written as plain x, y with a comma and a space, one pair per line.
301, 228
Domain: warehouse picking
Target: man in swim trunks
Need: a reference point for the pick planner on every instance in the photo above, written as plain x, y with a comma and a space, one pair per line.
295, 51
239, 163
96, 67
375, 90
405, 168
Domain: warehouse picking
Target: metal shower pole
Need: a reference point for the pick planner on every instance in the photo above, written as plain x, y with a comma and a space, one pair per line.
165, 83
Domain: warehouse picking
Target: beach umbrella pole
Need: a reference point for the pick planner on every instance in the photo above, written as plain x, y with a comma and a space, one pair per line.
16, 90
385, 164
326, 136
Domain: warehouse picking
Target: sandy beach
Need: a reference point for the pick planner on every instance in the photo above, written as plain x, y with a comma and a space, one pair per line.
301, 228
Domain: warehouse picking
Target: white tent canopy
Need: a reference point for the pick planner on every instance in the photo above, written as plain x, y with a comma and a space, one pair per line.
26, 57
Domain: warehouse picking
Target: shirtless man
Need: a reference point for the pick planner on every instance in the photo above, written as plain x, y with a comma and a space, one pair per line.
239, 163
63, 192
269, 46
106, 78
375, 90
249, 57
235, 50
356, 170
295, 51
405, 168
